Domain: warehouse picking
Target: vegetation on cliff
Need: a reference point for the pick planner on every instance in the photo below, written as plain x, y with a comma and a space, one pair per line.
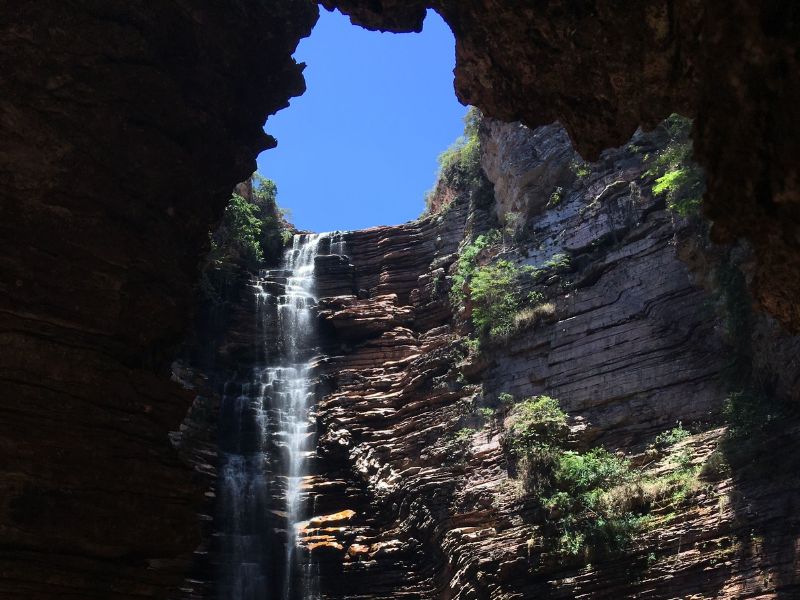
591, 502
460, 172
253, 231
677, 176
498, 290
460, 164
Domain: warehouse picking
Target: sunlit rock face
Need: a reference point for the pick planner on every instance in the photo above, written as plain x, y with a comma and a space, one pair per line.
124, 128
411, 490
416, 495
604, 68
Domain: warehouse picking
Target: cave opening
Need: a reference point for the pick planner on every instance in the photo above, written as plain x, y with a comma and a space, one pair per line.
359, 148
125, 126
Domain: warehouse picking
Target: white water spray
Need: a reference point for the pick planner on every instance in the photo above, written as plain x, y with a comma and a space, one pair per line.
271, 431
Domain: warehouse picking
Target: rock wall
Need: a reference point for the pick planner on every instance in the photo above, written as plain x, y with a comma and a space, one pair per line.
603, 68
124, 128
407, 508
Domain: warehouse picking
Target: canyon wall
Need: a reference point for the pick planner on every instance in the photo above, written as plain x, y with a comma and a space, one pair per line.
602, 68
415, 493
124, 128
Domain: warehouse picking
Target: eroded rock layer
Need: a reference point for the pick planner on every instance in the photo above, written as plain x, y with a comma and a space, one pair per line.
124, 126
603, 68
416, 495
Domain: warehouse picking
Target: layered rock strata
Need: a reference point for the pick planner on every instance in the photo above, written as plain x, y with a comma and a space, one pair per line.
406, 507
124, 128
603, 68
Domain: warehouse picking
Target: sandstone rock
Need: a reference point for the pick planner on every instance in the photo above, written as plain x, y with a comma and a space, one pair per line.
632, 348
124, 129
605, 68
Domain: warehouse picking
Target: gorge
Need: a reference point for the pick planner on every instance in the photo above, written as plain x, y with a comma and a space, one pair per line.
655, 348
628, 318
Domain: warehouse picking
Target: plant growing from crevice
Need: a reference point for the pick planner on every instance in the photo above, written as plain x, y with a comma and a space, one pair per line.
677, 177
535, 423
494, 290
670, 438
555, 197
467, 264
457, 444
580, 168
499, 308
537, 312
486, 412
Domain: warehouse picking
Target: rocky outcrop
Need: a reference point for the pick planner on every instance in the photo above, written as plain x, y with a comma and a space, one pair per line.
415, 494
124, 128
603, 68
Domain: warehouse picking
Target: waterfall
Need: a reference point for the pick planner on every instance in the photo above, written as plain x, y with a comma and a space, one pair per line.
269, 435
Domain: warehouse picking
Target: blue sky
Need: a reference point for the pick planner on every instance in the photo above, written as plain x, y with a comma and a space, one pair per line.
359, 147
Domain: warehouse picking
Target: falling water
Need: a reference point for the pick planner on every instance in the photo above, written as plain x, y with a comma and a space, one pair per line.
268, 437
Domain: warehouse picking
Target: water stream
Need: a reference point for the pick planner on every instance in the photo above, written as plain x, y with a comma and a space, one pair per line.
268, 437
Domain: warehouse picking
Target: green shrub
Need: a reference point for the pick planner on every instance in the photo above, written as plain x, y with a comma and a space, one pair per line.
589, 472
234, 249
555, 265
594, 502
468, 263
591, 515
464, 435
558, 262
486, 412
460, 165
683, 482
495, 296
498, 307
678, 177
580, 168
457, 444
535, 298
506, 399
473, 345
535, 470
671, 437
535, 423
251, 230
556, 197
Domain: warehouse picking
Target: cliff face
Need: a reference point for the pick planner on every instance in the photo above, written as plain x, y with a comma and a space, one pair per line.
124, 128
415, 493
602, 68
